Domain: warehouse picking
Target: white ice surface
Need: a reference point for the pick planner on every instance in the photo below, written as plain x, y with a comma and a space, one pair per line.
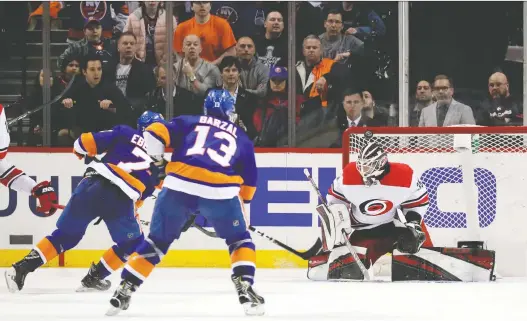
208, 294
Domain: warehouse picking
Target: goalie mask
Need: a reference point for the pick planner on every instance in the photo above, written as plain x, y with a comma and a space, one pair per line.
372, 162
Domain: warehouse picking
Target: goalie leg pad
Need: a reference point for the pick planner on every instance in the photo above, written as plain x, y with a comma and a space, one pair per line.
333, 221
338, 264
444, 264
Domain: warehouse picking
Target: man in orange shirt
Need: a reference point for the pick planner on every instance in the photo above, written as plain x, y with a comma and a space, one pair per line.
215, 33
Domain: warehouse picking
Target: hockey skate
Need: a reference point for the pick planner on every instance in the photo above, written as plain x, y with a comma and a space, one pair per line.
93, 282
252, 303
16, 275
121, 298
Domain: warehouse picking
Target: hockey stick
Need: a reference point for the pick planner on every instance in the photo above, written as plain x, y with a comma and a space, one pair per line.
346, 240
304, 255
39, 108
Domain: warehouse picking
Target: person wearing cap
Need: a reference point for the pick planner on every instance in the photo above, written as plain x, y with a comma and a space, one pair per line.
271, 116
93, 43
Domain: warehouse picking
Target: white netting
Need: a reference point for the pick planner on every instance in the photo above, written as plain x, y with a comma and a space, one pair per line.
436, 159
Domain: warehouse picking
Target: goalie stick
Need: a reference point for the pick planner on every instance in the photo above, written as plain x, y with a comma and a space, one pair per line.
303, 255
39, 108
346, 237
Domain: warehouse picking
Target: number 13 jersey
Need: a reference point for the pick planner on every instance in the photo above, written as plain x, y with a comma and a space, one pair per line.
212, 158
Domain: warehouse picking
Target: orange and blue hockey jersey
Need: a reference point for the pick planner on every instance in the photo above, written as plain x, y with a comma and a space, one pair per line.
212, 158
125, 163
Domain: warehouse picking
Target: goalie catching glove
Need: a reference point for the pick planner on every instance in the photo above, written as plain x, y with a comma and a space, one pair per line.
411, 238
45, 193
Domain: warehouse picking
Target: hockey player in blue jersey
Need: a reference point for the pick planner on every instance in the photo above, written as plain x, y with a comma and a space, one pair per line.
212, 170
111, 189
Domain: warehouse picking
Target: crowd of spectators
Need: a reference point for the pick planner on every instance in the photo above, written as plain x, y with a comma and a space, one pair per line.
119, 52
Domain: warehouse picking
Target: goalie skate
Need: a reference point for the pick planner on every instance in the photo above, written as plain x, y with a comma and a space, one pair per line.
252, 303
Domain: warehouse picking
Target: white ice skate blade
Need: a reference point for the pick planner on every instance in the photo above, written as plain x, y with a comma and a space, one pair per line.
113, 311
85, 289
11, 285
254, 310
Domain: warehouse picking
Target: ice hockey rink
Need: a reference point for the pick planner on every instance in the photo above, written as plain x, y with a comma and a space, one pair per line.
208, 294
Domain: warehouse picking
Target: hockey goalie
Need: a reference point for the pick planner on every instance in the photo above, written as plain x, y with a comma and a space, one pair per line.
377, 207
16, 179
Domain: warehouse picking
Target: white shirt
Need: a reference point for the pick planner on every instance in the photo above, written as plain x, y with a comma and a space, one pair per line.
121, 76
356, 121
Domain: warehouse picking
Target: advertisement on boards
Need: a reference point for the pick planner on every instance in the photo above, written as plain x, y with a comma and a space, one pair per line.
284, 203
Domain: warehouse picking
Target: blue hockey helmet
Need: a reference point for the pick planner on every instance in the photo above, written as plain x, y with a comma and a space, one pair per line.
148, 118
219, 103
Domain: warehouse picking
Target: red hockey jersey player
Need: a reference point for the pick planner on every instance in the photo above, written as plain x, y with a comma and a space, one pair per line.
381, 204
16, 179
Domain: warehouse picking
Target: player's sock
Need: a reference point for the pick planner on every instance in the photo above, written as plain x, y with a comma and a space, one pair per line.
243, 257
115, 257
141, 263
112, 260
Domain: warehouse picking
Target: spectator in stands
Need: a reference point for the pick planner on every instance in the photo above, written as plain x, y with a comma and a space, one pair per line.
194, 76
217, 39
254, 75
351, 113
156, 99
500, 109
423, 98
148, 24
35, 99
90, 45
245, 102
68, 69
314, 76
446, 111
271, 47
245, 18
97, 105
335, 45
54, 9
272, 116
309, 18
109, 14
360, 21
379, 117
133, 77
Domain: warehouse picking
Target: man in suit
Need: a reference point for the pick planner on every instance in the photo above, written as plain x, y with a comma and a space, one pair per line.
351, 114
446, 111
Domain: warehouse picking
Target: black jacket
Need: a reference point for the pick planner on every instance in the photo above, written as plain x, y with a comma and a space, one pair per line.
89, 116
141, 81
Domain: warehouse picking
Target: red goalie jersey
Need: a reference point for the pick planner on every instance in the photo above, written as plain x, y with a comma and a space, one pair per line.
374, 205
16, 179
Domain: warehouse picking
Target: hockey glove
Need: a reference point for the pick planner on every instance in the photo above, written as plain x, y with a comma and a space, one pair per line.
158, 170
45, 193
410, 238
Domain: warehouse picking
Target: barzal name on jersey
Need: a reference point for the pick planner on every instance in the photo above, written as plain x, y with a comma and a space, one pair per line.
212, 158
126, 163
371, 206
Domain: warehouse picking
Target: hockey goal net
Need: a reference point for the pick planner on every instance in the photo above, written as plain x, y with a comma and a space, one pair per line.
473, 175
